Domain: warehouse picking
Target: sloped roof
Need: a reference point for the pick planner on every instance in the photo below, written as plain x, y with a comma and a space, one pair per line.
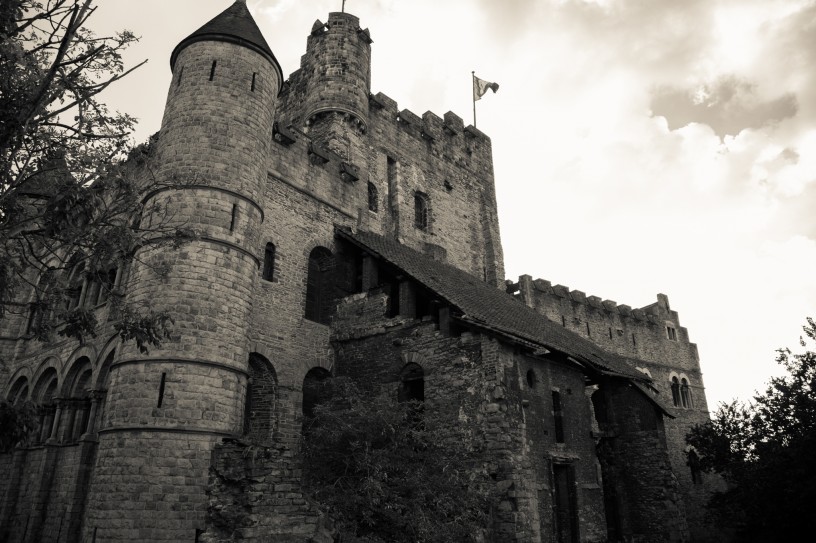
489, 306
235, 24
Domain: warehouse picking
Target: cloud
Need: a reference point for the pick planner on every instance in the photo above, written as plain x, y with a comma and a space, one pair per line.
728, 106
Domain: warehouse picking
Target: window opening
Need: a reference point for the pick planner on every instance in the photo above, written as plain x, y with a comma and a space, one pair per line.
314, 390
261, 396
181, 73
671, 333
531, 379
373, 198
421, 210
675, 388
252, 88
319, 285
558, 416
161, 390
234, 217
269, 262
392, 180
212, 71
685, 393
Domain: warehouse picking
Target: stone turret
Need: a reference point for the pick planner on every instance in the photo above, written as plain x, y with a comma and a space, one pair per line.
166, 409
337, 65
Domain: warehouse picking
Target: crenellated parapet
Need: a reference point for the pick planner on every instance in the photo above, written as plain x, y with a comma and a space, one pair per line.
649, 333
445, 137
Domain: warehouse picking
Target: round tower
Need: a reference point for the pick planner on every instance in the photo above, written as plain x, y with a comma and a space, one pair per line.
337, 64
166, 409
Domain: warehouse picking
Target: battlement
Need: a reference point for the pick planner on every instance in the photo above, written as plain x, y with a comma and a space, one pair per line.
648, 332
446, 136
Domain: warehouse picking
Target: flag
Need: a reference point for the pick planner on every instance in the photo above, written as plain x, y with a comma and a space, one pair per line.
480, 87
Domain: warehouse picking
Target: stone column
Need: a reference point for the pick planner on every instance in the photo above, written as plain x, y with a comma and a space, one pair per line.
96, 398
56, 422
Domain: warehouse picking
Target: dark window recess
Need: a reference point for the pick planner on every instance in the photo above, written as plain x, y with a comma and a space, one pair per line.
254, 76
675, 388
319, 285
393, 299
261, 397
531, 379
269, 262
181, 73
558, 416
610, 333
685, 394
234, 217
161, 390
587, 327
633, 340
373, 198
212, 71
421, 211
671, 333
412, 389
412, 383
315, 390
566, 504
392, 181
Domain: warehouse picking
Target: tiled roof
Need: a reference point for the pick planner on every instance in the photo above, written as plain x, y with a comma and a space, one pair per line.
234, 24
489, 306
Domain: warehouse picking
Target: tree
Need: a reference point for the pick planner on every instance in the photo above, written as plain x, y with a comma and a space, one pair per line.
393, 471
71, 190
765, 451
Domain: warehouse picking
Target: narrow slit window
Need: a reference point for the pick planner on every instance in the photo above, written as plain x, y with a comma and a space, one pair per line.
234, 217
161, 390
373, 197
254, 75
587, 327
558, 416
671, 333
181, 73
212, 70
421, 211
269, 262
610, 332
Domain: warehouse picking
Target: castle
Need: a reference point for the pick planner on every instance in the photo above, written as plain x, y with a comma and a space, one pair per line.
338, 234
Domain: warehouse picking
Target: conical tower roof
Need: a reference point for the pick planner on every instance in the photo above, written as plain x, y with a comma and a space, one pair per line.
236, 25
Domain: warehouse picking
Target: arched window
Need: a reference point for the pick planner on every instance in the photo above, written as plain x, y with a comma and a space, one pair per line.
261, 397
314, 390
18, 394
685, 393
412, 383
319, 285
531, 379
373, 198
269, 262
76, 286
675, 389
421, 210
43, 396
78, 409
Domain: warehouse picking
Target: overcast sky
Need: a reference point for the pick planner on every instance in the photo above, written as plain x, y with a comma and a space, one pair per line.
640, 146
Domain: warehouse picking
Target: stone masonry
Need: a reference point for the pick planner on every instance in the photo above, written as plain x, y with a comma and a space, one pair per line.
337, 234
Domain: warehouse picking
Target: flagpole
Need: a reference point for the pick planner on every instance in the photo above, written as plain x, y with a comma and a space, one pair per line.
473, 91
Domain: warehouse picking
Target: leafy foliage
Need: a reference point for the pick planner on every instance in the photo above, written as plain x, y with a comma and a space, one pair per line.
16, 422
765, 450
71, 194
391, 471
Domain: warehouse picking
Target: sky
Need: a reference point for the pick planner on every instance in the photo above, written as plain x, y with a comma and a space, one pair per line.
640, 146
